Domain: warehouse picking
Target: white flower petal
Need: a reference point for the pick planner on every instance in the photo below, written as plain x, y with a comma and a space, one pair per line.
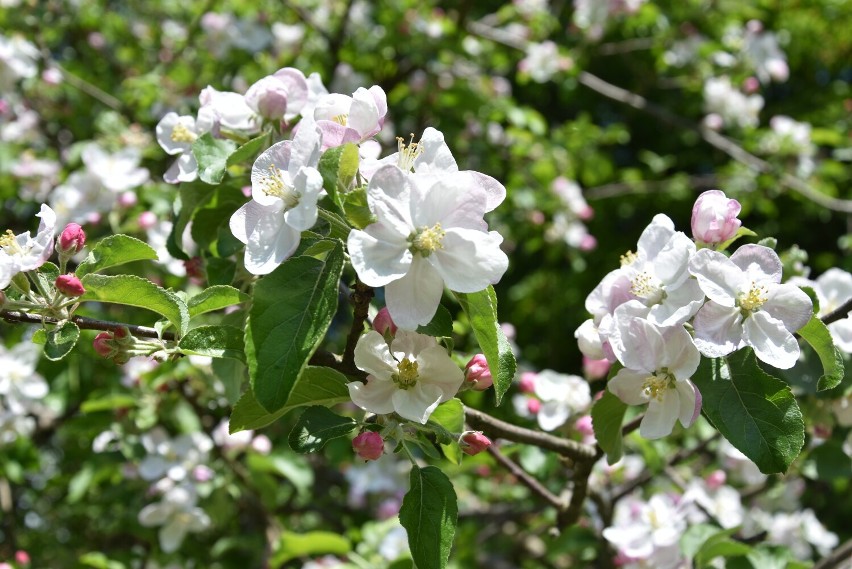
789, 304
719, 278
718, 329
417, 402
308, 183
681, 356
679, 305
672, 262
363, 113
629, 386
771, 340
375, 396
172, 535
305, 151
413, 300
155, 514
689, 396
655, 236
378, 254
552, 415
435, 156
437, 368
661, 415
758, 262
373, 355
270, 242
470, 260
453, 200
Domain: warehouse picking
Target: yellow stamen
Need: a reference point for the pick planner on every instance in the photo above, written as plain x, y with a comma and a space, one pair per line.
9, 243
656, 385
628, 258
180, 133
408, 154
407, 374
643, 286
427, 239
754, 298
341, 119
276, 184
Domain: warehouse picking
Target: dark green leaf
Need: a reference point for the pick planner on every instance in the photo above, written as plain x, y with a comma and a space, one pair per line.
61, 340
292, 309
817, 335
441, 324
481, 309
215, 342
756, 412
316, 426
214, 298
192, 196
429, 513
449, 416
607, 417
315, 386
248, 150
212, 157
115, 250
131, 290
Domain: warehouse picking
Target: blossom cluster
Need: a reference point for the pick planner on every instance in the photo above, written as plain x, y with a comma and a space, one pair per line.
676, 299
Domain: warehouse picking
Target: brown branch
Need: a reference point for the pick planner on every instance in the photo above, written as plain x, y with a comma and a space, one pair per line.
526, 479
85, 324
838, 314
578, 494
837, 557
616, 189
360, 299
497, 428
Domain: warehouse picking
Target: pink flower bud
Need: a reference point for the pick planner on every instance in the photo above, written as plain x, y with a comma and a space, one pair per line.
268, 97
69, 285
714, 217
261, 444
383, 323
368, 445
477, 373
533, 406
527, 383
72, 239
127, 199
147, 220
595, 369
22, 557
751, 85
588, 243
714, 121
474, 442
202, 473
584, 426
51, 76
103, 344
715, 479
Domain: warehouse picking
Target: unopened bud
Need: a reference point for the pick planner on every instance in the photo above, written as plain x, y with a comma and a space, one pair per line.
72, 239
383, 323
477, 373
268, 97
112, 345
69, 285
533, 406
714, 217
584, 426
368, 445
147, 220
474, 442
103, 344
527, 383
22, 557
595, 369
715, 479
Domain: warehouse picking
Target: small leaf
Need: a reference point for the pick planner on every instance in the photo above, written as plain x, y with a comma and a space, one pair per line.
817, 335
214, 342
440, 326
61, 340
357, 209
109, 402
429, 514
248, 150
741, 232
338, 167
481, 309
212, 157
315, 386
607, 417
131, 290
720, 545
294, 545
316, 426
191, 196
449, 416
756, 412
215, 298
115, 250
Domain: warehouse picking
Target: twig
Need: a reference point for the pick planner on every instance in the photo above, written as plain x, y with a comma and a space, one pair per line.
497, 428
838, 314
578, 494
360, 299
837, 557
646, 186
534, 485
86, 324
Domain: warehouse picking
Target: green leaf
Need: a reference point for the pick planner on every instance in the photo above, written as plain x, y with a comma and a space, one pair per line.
215, 342
338, 167
248, 150
607, 418
741, 232
316, 426
694, 537
441, 324
449, 416
215, 298
357, 209
115, 250
429, 513
211, 221
292, 309
720, 545
756, 412
212, 157
294, 545
481, 309
109, 402
192, 196
131, 290
315, 386
61, 340
817, 335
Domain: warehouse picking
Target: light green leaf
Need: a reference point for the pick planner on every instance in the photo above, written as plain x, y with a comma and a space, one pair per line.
741, 232
61, 340
357, 209
338, 166
817, 335
316, 426
115, 250
215, 298
694, 537
292, 309
212, 157
131, 290
441, 324
315, 386
109, 402
248, 150
756, 412
607, 417
215, 342
720, 545
449, 416
429, 514
294, 545
481, 309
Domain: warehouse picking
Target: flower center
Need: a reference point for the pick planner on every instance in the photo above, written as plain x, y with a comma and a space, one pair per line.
656, 385
646, 287
341, 119
427, 239
408, 154
9, 243
754, 298
275, 183
628, 258
180, 133
407, 374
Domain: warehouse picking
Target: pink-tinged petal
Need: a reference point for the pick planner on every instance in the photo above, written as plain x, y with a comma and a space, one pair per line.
413, 300
278, 157
661, 415
671, 265
681, 355
789, 304
333, 134
363, 114
372, 355
609, 294
772, 342
655, 236
629, 386
552, 415
719, 278
758, 262
378, 254
375, 396
309, 183
435, 157
470, 260
297, 89
418, 402
690, 402
718, 329
451, 200
380, 99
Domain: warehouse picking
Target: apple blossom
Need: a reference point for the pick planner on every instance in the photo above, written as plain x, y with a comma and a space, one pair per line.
20, 253
748, 305
351, 119
285, 186
368, 445
172, 457
648, 531
714, 217
411, 376
732, 106
178, 515
383, 323
562, 396
175, 134
20, 384
474, 442
429, 232
280, 95
833, 288
230, 111
117, 171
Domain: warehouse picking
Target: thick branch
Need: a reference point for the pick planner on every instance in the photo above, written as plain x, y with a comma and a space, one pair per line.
497, 428
534, 485
85, 324
360, 299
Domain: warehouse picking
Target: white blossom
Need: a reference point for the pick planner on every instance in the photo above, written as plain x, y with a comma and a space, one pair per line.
562, 397
177, 514
734, 107
172, 457
20, 253
351, 119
